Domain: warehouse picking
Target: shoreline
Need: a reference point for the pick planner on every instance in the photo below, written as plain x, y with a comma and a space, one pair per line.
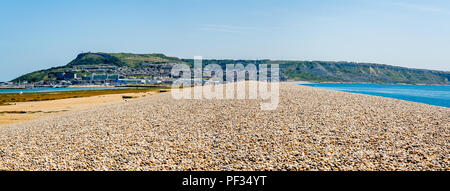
29, 111
315, 82
18, 112
6, 98
412, 93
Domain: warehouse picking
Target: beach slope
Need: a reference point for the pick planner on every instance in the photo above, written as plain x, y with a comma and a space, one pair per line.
312, 129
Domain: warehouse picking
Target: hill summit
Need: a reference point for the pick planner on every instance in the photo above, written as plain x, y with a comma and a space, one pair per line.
120, 59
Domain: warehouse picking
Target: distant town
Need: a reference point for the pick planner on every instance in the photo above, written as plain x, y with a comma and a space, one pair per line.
155, 74
106, 75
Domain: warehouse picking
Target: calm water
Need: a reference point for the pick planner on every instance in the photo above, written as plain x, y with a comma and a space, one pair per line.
433, 95
55, 89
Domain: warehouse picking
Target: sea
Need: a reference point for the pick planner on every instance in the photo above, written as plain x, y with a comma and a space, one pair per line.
37, 90
432, 95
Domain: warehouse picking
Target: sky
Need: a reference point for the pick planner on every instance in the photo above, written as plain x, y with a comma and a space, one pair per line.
39, 34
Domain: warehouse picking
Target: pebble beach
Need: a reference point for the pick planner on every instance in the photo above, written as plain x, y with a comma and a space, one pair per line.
312, 129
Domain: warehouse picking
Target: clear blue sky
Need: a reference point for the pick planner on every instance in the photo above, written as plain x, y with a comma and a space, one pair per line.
38, 34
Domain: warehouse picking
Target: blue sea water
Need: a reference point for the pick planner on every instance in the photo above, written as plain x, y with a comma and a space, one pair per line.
432, 95
56, 89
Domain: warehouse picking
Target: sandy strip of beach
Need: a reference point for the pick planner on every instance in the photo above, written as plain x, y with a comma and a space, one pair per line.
312, 129
42, 109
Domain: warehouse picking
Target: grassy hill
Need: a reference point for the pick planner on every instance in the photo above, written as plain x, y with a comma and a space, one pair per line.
360, 72
114, 59
120, 59
322, 71
96, 59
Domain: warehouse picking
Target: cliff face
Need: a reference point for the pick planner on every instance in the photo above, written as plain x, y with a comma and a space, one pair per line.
325, 71
321, 71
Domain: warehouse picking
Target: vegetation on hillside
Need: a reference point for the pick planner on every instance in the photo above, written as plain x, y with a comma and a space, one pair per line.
96, 59
113, 59
360, 72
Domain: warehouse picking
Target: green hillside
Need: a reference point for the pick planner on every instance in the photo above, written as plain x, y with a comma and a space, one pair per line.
120, 59
321, 71
360, 72
114, 59
326, 71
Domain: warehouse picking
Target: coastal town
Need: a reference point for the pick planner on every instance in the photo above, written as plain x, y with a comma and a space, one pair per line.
105, 75
155, 74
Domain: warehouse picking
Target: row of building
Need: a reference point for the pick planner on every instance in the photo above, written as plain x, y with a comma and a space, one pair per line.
70, 78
